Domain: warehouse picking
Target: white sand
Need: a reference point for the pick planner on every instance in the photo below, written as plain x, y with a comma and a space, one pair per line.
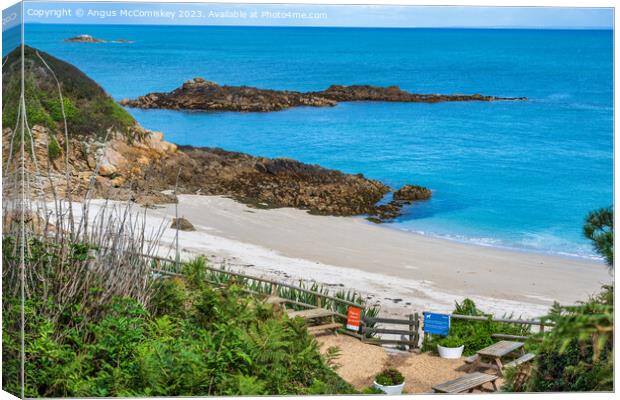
427, 274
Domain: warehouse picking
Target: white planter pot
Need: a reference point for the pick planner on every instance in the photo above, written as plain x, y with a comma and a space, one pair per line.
450, 352
392, 389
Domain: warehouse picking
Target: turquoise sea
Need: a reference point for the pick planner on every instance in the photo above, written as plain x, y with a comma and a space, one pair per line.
511, 174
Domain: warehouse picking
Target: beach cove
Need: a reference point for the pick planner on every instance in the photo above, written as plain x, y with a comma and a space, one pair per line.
520, 175
404, 272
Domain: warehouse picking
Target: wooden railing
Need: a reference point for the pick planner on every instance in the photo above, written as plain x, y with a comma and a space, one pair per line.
532, 322
412, 332
369, 332
273, 283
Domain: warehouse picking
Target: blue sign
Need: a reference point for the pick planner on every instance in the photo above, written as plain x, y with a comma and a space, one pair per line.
437, 324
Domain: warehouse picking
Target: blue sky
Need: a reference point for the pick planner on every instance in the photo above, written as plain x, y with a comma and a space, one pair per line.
318, 15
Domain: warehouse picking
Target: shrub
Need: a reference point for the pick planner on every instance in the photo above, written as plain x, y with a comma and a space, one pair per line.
190, 341
53, 148
451, 341
473, 334
577, 354
599, 228
390, 377
55, 109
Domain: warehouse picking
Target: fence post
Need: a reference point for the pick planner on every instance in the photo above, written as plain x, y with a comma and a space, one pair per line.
416, 336
412, 332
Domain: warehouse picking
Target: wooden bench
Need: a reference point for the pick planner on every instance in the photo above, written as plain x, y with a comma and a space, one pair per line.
521, 360
491, 357
311, 313
466, 383
325, 327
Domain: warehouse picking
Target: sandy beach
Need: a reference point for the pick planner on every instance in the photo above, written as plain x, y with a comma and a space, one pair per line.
403, 271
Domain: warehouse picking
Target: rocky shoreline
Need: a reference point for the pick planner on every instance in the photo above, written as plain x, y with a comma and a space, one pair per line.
200, 94
109, 155
256, 181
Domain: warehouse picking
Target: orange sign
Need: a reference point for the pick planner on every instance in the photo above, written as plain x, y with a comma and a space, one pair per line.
353, 318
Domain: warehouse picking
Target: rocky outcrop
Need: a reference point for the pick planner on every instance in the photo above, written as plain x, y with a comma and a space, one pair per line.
182, 224
267, 182
412, 193
91, 39
200, 94
109, 155
84, 39
145, 171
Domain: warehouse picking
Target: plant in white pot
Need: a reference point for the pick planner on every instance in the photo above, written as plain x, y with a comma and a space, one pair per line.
450, 347
390, 381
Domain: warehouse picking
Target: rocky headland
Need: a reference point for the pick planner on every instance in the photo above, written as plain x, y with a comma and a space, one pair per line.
109, 155
204, 95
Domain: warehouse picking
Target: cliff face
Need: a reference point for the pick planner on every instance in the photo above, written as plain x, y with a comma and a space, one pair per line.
110, 153
199, 94
58, 96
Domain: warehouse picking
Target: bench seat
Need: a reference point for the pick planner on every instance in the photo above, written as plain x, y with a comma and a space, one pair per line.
311, 313
325, 327
523, 359
465, 383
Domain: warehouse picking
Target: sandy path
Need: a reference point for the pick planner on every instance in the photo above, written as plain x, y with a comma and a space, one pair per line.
360, 363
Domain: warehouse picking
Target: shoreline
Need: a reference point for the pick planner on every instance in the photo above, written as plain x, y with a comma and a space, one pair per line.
476, 242
402, 271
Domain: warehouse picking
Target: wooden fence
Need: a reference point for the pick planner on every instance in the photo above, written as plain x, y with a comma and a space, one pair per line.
161, 263
411, 333
370, 330
412, 330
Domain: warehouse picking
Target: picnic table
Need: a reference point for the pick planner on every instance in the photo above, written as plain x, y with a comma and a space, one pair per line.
491, 357
466, 383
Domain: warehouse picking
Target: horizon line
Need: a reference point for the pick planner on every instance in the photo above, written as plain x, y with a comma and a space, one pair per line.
498, 27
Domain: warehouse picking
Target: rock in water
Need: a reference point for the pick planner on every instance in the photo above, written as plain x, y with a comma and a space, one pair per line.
412, 193
182, 224
84, 39
200, 94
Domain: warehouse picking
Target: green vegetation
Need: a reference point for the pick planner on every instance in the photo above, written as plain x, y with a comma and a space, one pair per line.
299, 296
451, 341
53, 148
599, 228
88, 109
577, 354
475, 335
55, 109
372, 390
190, 339
390, 377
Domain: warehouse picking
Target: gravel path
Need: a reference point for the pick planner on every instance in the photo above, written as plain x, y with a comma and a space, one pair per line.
360, 362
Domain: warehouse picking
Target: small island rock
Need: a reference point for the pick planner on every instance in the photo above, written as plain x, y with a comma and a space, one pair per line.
84, 39
412, 193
